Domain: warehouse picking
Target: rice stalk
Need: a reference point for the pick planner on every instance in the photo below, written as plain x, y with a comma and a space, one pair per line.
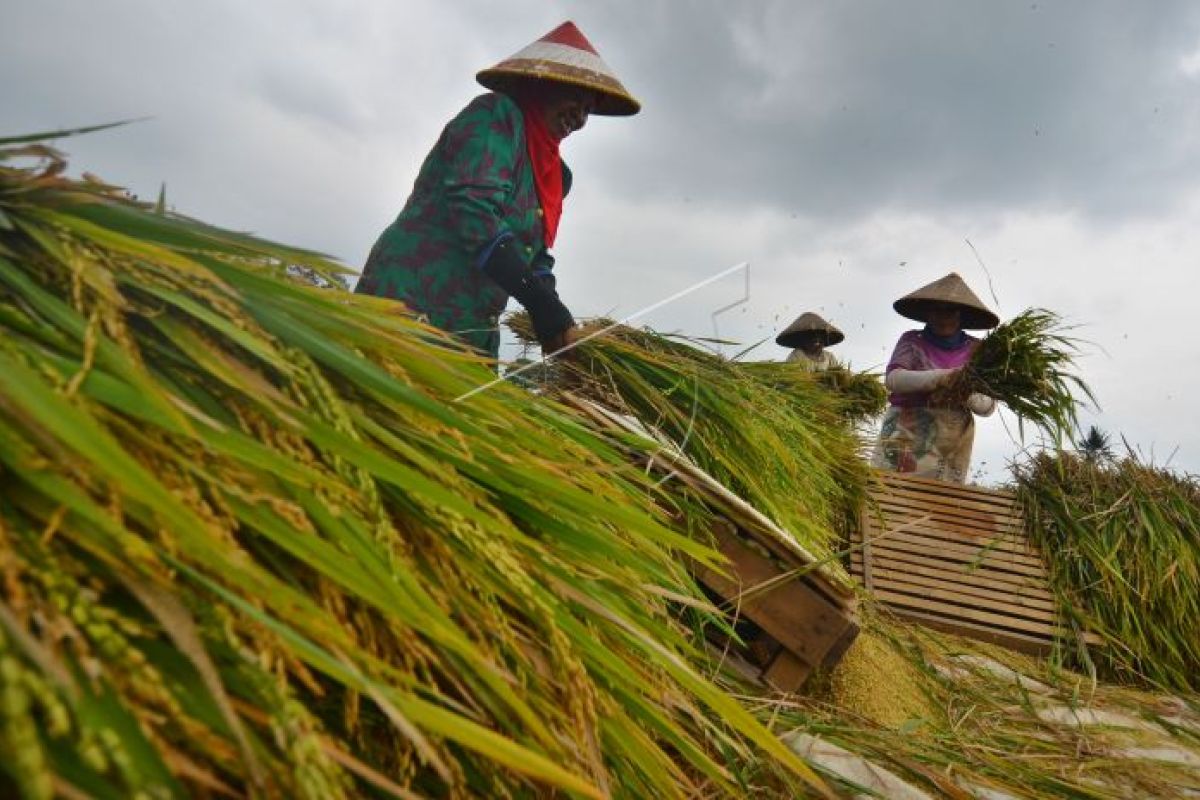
250, 545
777, 439
1123, 545
994, 723
1026, 364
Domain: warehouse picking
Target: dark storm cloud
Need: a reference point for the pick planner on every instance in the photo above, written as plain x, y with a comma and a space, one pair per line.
839, 109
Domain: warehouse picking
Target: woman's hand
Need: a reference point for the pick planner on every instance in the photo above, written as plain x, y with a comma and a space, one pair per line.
556, 345
981, 405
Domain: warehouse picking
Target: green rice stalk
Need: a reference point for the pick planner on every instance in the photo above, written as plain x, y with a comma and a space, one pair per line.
1026, 364
1122, 545
780, 442
249, 544
861, 394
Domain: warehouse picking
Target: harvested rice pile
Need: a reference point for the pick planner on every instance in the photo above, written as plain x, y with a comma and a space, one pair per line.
860, 395
249, 544
777, 439
854, 687
1125, 539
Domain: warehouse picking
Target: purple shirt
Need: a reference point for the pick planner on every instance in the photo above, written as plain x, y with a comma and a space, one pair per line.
916, 352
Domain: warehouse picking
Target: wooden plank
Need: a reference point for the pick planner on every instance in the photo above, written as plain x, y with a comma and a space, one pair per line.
952, 611
967, 568
889, 509
979, 580
799, 618
762, 529
978, 536
1025, 643
969, 561
966, 551
977, 511
786, 672
889, 577
867, 560
997, 604
834, 654
967, 497
928, 534
926, 504
931, 531
889, 515
934, 486
957, 574
952, 554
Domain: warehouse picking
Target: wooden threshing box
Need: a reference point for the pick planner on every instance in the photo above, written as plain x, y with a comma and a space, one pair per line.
955, 558
808, 620
804, 615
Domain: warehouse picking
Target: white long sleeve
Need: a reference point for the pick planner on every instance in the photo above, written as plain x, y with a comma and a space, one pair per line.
912, 381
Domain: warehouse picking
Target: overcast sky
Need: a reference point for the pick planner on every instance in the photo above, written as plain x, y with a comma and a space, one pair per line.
850, 152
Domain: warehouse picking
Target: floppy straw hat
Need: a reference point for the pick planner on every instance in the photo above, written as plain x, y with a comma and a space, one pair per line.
950, 290
566, 56
809, 326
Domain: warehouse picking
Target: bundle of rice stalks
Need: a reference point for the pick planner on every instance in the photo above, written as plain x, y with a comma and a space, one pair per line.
1123, 549
250, 546
1025, 363
988, 723
860, 394
781, 444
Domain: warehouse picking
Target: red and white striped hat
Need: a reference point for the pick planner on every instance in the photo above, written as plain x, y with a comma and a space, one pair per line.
566, 56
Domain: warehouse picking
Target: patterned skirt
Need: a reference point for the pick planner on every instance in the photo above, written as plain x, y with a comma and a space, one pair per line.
926, 442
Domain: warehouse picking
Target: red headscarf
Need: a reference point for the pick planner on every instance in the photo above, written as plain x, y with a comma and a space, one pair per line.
547, 166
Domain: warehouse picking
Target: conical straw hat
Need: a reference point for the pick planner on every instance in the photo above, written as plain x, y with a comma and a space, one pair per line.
566, 56
809, 326
951, 290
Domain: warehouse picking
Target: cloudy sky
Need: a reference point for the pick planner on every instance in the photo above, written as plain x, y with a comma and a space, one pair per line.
1049, 151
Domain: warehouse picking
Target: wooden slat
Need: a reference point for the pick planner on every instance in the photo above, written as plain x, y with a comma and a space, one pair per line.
957, 554
1009, 522
927, 529
800, 619
951, 513
1007, 606
936, 487
956, 558
786, 672
981, 581
880, 546
957, 574
964, 551
954, 611
904, 509
1025, 643
969, 503
979, 537
984, 594
867, 560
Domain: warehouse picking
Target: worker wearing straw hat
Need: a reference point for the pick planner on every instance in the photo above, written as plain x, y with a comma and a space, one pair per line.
808, 336
917, 434
484, 212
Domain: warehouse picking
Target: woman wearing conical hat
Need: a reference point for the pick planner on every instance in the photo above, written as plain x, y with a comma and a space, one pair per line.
917, 436
484, 212
808, 336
